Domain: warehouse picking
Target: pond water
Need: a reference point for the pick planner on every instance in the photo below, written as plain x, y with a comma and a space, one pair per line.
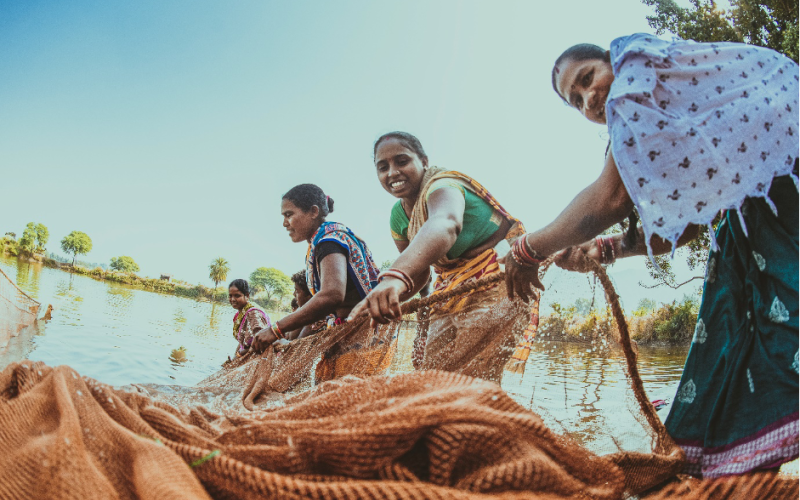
122, 335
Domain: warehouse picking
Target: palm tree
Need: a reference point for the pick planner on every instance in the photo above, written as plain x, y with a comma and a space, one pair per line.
219, 271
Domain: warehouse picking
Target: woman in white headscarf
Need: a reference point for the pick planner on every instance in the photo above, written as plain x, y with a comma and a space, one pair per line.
698, 128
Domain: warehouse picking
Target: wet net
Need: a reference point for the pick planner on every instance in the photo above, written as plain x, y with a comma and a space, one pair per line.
270, 426
17, 309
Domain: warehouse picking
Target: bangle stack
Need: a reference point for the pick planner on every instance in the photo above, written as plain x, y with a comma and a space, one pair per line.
523, 254
606, 246
277, 331
401, 275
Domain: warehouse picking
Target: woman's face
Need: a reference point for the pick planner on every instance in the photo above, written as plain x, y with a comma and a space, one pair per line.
301, 296
237, 299
585, 86
400, 170
301, 225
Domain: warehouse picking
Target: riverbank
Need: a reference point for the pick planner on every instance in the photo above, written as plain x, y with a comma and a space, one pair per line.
198, 292
668, 325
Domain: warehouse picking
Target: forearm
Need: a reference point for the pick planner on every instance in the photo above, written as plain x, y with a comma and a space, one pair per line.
603, 203
433, 241
659, 245
321, 305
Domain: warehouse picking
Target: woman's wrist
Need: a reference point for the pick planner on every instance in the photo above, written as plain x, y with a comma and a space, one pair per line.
398, 275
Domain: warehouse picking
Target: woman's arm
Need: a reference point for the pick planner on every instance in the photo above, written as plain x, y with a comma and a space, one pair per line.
603, 203
573, 258
434, 239
333, 285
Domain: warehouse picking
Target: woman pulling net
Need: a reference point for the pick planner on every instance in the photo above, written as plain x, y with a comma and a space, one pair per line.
447, 220
698, 128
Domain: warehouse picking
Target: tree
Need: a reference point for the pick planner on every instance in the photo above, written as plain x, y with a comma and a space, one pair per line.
27, 243
125, 264
767, 23
76, 243
42, 236
386, 264
272, 281
12, 235
218, 271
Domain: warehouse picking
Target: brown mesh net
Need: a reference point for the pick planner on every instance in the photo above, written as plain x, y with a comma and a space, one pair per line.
381, 434
17, 309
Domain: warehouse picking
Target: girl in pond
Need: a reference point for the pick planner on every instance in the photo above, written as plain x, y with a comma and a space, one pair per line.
446, 220
340, 271
698, 128
248, 319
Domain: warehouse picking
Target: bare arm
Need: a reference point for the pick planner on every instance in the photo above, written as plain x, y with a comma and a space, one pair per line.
602, 204
333, 285
432, 242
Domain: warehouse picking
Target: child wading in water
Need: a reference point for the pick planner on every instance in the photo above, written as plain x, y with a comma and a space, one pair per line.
249, 319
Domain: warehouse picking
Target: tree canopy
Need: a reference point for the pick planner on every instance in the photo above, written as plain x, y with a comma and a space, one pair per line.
271, 281
218, 270
76, 243
768, 23
27, 242
42, 236
125, 264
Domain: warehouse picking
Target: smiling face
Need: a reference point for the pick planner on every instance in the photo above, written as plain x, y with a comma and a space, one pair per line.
301, 225
400, 170
585, 86
237, 299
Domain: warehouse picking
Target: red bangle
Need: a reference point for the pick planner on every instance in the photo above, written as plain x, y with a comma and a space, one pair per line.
401, 275
606, 246
277, 331
523, 254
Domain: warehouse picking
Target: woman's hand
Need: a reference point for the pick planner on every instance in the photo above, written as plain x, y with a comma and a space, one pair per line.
521, 279
263, 339
382, 303
281, 345
574, 258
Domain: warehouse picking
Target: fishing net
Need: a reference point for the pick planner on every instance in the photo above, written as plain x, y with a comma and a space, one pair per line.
262, 428
17, 309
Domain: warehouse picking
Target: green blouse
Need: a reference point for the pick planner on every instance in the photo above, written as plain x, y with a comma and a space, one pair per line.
480, 221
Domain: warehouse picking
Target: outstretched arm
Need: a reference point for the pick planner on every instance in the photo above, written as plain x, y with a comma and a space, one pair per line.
333, 285
445, 219
603, 203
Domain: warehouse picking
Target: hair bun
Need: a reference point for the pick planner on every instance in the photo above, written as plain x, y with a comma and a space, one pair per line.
330, 204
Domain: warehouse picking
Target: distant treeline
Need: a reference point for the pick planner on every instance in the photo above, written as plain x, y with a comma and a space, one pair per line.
668, 324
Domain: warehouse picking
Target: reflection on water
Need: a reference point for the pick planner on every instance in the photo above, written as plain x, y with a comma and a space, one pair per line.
118, 334
582, 389
121, 335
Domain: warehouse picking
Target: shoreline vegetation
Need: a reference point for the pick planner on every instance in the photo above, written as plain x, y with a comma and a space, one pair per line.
669, 324
172, 287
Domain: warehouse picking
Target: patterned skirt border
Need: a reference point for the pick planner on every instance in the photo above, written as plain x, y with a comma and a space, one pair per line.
772, 446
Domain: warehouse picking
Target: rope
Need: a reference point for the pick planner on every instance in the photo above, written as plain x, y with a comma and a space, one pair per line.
19, 289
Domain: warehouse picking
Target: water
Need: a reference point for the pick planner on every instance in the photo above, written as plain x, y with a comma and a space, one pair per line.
121, 335
118, 334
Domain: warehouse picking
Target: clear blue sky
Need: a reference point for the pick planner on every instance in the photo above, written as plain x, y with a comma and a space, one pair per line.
168, 131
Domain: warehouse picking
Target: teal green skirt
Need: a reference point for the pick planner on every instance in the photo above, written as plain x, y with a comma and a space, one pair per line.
736, 409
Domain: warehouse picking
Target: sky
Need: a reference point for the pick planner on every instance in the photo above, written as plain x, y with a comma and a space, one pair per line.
168, 131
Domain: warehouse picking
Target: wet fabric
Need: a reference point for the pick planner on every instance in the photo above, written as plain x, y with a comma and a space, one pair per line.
361, 267
736, 408
698, 127
246, 323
